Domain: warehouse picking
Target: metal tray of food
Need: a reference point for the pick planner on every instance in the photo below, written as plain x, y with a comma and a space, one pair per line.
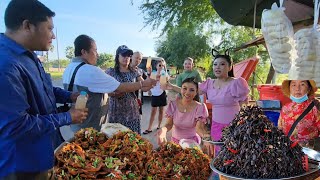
313, 168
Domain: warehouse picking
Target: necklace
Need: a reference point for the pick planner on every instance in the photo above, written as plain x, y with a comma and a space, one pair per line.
219, 85
184, 108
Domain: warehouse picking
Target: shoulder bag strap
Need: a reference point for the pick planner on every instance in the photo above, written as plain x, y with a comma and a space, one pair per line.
305, 112
70, 88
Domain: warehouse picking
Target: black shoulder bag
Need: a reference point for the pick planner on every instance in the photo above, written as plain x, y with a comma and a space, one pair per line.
66, 106
314, 143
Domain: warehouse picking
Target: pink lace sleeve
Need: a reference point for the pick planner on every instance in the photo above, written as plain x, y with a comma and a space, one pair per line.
240, 90
202, 113
171, 109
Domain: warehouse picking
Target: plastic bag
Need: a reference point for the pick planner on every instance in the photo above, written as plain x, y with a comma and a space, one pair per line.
278, 34
307, 45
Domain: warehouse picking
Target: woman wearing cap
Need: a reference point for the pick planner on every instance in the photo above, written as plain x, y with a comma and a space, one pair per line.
123, 107
301, 92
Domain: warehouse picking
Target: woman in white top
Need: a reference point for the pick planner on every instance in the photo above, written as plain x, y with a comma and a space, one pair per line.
158, 98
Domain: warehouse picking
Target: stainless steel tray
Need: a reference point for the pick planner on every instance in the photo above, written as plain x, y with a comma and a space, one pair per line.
313, 168
218, 143
312, 154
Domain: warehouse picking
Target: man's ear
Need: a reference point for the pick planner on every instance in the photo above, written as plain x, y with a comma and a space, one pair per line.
83, 52
26, 25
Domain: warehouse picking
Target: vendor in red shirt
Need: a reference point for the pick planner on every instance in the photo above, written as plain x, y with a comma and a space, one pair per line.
301, 92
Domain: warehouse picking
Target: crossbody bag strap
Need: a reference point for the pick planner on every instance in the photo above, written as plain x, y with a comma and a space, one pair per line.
305, 112
70, 88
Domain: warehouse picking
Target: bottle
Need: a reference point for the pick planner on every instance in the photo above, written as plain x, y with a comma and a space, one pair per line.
153, 75
81, 100
148, 65
163, 78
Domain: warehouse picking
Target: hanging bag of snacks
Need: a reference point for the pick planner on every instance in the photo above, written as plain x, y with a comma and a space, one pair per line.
278, 33
307, 44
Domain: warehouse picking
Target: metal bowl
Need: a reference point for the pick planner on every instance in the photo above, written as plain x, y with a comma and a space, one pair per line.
217, 143
313, 172
312, 154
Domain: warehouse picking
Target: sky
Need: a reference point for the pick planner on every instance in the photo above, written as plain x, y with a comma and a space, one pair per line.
110, 22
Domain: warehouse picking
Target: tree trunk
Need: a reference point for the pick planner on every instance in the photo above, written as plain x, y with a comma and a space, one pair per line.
270, 75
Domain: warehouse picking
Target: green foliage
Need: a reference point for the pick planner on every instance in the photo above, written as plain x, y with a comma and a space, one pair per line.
56, 75
63, 63
105, 60
181, 43
69, 52
173, 13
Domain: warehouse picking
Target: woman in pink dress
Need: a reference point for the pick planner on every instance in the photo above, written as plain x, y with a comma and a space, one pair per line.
185, 116
226, 94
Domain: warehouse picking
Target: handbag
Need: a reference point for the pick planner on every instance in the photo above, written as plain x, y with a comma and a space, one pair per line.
313, 143
66, 106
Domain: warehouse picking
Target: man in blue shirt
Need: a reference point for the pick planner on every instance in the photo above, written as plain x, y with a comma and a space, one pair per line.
28, 112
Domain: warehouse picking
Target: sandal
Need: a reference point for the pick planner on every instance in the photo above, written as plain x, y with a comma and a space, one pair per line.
147, 131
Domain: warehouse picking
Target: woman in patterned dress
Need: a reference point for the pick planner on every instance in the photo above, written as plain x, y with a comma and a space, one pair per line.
301, 92
123, 107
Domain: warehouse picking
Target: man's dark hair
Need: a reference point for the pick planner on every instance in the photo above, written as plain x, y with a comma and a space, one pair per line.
21, 10
82, 42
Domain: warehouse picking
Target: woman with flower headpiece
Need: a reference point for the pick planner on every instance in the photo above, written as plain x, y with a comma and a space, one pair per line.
225, 93
302, 93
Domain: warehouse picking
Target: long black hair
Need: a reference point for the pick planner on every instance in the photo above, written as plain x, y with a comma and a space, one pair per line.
193, 81
216, 54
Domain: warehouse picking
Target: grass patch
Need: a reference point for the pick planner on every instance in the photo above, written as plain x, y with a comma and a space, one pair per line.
56, 75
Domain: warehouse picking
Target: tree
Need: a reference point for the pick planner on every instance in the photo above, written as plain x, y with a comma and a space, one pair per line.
63, 63
181, 43
69, 52
181, 13
105, 61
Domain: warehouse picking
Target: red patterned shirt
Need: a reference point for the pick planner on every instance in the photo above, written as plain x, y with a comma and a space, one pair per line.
308, 128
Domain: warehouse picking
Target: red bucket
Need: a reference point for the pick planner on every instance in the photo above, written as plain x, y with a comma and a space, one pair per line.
272, 92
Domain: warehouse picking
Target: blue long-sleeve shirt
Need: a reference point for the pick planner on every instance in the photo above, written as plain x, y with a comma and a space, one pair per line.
28, 115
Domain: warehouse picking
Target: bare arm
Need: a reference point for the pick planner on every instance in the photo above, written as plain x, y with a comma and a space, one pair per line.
162, 133
201, 130
131, 87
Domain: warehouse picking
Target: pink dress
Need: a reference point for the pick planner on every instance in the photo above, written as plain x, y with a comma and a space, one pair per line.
184, 123
225, 102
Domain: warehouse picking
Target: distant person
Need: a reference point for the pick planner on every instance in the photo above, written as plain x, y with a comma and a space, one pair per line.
134, 63
123, 107
29, 120
188, 72
95, 82
158, 97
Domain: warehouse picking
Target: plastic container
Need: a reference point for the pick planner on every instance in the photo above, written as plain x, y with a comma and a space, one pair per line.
148, 64
81, 100
273, 116
188, 143
272, 92
163, 78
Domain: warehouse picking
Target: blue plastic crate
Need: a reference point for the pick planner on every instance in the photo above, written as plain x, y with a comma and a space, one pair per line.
273, 116
269, 104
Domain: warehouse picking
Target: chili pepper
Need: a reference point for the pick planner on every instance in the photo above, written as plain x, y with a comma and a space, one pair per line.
265, 150
233, 150
227, 162
267, 130
294, 144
